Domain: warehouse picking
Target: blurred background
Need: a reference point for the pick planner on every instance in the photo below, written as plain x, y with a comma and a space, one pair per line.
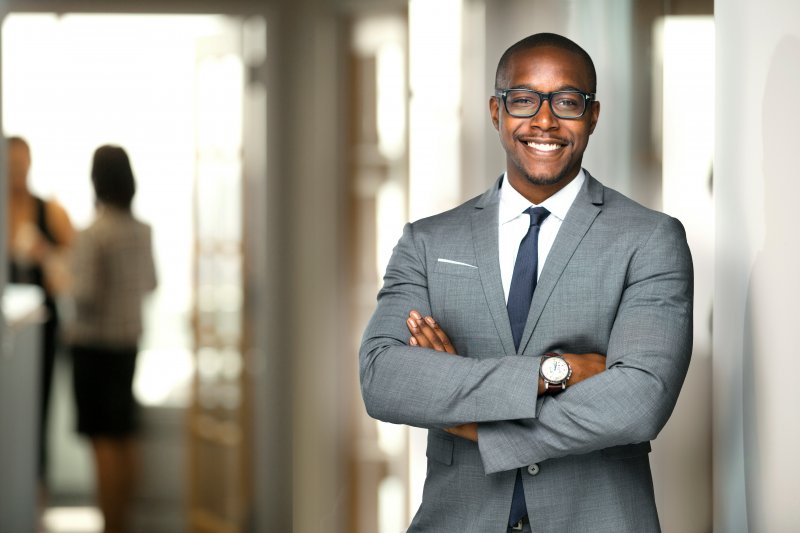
279, 147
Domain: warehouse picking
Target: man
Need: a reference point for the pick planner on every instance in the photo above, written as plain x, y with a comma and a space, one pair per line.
570, 309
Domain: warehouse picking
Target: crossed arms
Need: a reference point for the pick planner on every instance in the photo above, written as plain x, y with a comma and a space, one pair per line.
648, 352
426, 333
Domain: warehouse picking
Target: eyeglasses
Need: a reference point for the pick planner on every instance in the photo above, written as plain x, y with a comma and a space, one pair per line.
525, 103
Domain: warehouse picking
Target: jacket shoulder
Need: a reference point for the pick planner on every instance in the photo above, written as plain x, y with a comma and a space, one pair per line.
628, 214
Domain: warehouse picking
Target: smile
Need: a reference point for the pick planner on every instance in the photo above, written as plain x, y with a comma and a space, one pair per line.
545, 147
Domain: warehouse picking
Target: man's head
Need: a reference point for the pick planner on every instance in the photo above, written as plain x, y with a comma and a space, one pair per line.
544, 151
19, 163
543, 39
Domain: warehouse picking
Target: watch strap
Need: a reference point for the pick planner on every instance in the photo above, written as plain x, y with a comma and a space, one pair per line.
554, 387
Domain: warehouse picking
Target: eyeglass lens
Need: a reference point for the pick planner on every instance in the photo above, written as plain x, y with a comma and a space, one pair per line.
563, 104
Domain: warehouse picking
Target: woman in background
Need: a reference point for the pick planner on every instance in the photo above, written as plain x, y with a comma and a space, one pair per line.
39, 234
112, 271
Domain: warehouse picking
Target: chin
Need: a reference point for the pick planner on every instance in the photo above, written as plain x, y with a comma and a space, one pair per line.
545, 179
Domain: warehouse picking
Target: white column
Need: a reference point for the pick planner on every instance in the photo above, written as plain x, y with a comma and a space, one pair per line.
435, 43
755, 357
603, 29
681, 460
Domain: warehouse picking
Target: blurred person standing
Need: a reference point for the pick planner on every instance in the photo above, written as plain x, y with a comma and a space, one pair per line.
40, 233
112, 271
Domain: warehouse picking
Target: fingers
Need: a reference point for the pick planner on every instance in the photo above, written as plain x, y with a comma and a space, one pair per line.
426, 333
418, 337
465, 431
423, 333
441, 336
429, 328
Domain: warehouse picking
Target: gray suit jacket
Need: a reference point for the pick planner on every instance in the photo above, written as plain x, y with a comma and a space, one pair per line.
617, 281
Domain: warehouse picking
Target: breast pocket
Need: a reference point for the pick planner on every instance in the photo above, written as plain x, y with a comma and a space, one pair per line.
459, 303
451, 267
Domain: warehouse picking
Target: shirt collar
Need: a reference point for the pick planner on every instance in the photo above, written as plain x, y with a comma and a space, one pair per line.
512, 203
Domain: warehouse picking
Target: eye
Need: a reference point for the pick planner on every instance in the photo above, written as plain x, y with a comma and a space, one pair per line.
521, 100
568, 102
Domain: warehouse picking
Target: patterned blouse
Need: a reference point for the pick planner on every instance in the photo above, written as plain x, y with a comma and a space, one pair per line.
112, 270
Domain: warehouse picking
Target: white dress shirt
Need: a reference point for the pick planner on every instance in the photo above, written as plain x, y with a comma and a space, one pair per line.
514, 224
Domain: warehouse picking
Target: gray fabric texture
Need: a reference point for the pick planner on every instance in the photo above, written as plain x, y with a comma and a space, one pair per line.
618, 281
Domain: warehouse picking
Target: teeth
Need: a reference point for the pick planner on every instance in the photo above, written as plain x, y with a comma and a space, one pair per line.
544, 147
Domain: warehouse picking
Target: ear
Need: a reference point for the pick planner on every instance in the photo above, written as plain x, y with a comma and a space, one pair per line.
594, 114
494, 112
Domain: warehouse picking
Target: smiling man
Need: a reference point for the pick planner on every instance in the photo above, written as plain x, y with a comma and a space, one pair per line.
544, 149
562, 330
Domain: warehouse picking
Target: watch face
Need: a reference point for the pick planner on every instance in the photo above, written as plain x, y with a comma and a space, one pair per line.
555, 369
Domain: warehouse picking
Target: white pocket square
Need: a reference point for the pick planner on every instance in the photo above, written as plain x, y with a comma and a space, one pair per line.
455, 262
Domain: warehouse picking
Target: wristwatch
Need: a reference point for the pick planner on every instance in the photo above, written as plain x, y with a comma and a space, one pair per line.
555, 372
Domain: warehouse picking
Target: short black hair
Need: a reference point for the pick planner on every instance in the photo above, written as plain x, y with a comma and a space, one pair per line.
543, 40
112, 177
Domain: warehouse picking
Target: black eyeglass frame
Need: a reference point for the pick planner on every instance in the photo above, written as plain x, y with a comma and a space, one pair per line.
503, 93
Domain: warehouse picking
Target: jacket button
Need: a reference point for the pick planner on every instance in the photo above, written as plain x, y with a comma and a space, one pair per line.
533, 469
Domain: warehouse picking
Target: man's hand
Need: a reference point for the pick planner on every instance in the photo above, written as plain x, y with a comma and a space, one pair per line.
465, 431
426, 333
584, 366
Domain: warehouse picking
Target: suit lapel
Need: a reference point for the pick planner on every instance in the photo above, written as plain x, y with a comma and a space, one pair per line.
581, 215
484, 237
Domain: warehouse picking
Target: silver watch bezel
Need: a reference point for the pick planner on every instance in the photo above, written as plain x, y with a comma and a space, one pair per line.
549, 380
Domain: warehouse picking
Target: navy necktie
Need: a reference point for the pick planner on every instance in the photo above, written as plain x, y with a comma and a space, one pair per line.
523, 282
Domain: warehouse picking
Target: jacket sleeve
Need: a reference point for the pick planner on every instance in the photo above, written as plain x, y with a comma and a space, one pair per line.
648, 356
425, 388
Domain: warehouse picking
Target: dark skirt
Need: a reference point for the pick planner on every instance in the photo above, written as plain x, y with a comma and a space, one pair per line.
103, 387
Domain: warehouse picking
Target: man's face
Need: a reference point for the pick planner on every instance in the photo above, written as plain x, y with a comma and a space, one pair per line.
544, 150
19, 162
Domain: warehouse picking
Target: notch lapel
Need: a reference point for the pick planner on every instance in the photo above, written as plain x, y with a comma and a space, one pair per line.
579, 219
485, 239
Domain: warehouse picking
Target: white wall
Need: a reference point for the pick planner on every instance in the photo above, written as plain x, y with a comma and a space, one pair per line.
755, 361
603, 28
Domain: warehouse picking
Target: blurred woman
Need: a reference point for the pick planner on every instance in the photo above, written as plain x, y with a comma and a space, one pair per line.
112, 271
40, 233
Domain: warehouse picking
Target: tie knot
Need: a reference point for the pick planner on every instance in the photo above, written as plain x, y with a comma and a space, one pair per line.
538, 214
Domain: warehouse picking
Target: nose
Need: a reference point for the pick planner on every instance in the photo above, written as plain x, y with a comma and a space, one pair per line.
545, 119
